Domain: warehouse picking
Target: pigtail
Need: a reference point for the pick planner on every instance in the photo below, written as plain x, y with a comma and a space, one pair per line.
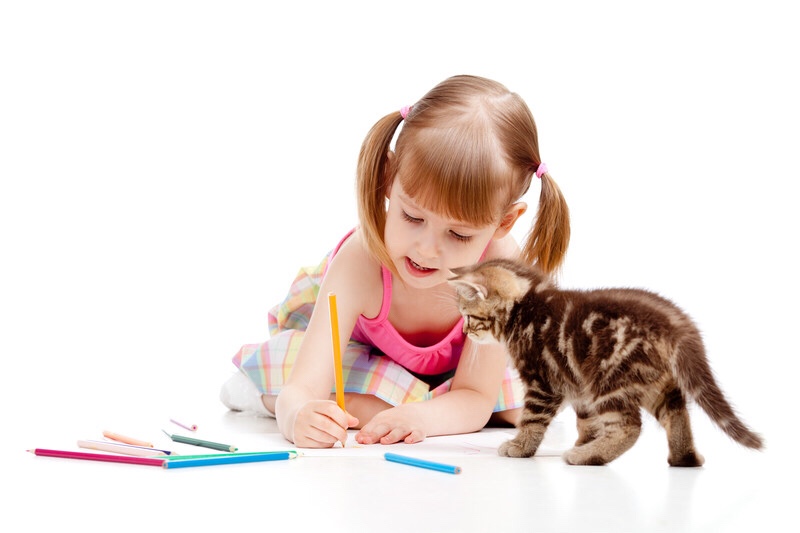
546, 243
372, 184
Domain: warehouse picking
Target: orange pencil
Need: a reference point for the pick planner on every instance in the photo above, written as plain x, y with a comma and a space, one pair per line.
127, 440
337, 351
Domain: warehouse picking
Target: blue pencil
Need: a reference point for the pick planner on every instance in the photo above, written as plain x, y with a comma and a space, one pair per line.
214, 455
421, 463
229, 459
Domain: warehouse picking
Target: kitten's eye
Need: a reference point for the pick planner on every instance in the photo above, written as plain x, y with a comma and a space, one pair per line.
477, 322
409, 218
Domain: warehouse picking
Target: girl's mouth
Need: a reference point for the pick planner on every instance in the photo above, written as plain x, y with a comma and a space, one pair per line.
417, 270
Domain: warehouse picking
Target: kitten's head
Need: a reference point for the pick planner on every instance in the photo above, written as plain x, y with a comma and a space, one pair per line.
486, 293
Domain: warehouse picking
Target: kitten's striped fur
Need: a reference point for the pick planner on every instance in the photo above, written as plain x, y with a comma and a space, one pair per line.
607, 352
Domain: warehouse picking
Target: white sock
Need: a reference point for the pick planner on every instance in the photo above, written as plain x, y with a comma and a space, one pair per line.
240, 394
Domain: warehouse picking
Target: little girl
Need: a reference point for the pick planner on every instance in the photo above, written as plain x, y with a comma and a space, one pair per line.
447, 196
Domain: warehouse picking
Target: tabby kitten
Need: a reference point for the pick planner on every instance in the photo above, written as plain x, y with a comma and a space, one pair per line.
607, 352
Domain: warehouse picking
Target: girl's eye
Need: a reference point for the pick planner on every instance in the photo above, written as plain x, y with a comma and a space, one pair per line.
459, 237
409, 218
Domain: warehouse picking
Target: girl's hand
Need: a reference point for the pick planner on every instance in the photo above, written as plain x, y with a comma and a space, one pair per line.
321, 424
391, 426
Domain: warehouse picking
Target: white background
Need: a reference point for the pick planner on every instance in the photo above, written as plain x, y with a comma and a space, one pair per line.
167, 166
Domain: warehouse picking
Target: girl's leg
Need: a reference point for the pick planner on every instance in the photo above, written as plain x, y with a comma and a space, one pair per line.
363, 406
508, 410
509, 417
269, 402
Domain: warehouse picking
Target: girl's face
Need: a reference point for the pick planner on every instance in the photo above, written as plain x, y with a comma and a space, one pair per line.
424, 245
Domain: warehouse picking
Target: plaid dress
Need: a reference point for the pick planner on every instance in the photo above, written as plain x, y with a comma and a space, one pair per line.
365, 369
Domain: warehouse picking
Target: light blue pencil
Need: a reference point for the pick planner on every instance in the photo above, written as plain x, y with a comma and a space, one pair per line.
421, 463
230, 459
213, 455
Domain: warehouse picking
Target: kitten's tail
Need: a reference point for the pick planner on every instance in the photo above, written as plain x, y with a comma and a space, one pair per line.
697, 379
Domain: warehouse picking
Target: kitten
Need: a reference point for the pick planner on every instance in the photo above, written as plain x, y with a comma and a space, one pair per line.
607, 352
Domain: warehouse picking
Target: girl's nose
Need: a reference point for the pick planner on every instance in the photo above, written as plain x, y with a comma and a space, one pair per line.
428, 244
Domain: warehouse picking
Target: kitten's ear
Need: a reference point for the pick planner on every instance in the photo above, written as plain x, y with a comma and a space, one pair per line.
468, 290
457, 272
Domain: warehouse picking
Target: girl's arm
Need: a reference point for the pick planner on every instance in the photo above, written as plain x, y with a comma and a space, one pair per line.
467, 407
303, 409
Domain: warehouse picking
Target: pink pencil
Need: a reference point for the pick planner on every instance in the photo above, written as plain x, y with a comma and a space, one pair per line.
98, 457
192, 427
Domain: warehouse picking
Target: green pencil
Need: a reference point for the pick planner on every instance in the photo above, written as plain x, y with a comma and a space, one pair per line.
201, 443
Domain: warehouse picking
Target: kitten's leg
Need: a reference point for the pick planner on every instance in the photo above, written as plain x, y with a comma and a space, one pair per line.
541, 406
587, 426
616, 428
670, 411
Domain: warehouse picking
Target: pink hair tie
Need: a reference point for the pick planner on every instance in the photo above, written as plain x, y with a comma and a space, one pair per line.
541, 170
404, 111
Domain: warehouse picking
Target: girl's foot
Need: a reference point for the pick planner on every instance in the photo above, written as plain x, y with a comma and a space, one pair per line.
240, 394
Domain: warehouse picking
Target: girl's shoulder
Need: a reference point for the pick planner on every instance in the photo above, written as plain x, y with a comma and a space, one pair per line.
503, 248
354, 253
354, 271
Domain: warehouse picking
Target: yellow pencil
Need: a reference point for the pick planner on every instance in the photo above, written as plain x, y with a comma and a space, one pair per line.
337, 350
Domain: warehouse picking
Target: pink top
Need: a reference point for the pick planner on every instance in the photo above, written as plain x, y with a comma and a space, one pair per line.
379, 332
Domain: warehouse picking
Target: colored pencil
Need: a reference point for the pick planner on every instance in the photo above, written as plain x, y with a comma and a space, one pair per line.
191, 427
337, 350
211, 455
227, 459
125, 449
98, 457
201, 443
421, 463
127, 440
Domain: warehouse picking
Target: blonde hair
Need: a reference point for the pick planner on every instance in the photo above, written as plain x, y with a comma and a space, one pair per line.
468, 150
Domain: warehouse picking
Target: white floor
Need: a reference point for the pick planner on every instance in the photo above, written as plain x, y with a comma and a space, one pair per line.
355, 489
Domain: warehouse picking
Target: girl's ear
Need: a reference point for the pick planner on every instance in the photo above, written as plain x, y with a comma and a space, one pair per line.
510, 218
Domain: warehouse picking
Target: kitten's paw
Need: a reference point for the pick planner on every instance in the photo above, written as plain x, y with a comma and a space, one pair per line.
579, 456
689, 459
513, 448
